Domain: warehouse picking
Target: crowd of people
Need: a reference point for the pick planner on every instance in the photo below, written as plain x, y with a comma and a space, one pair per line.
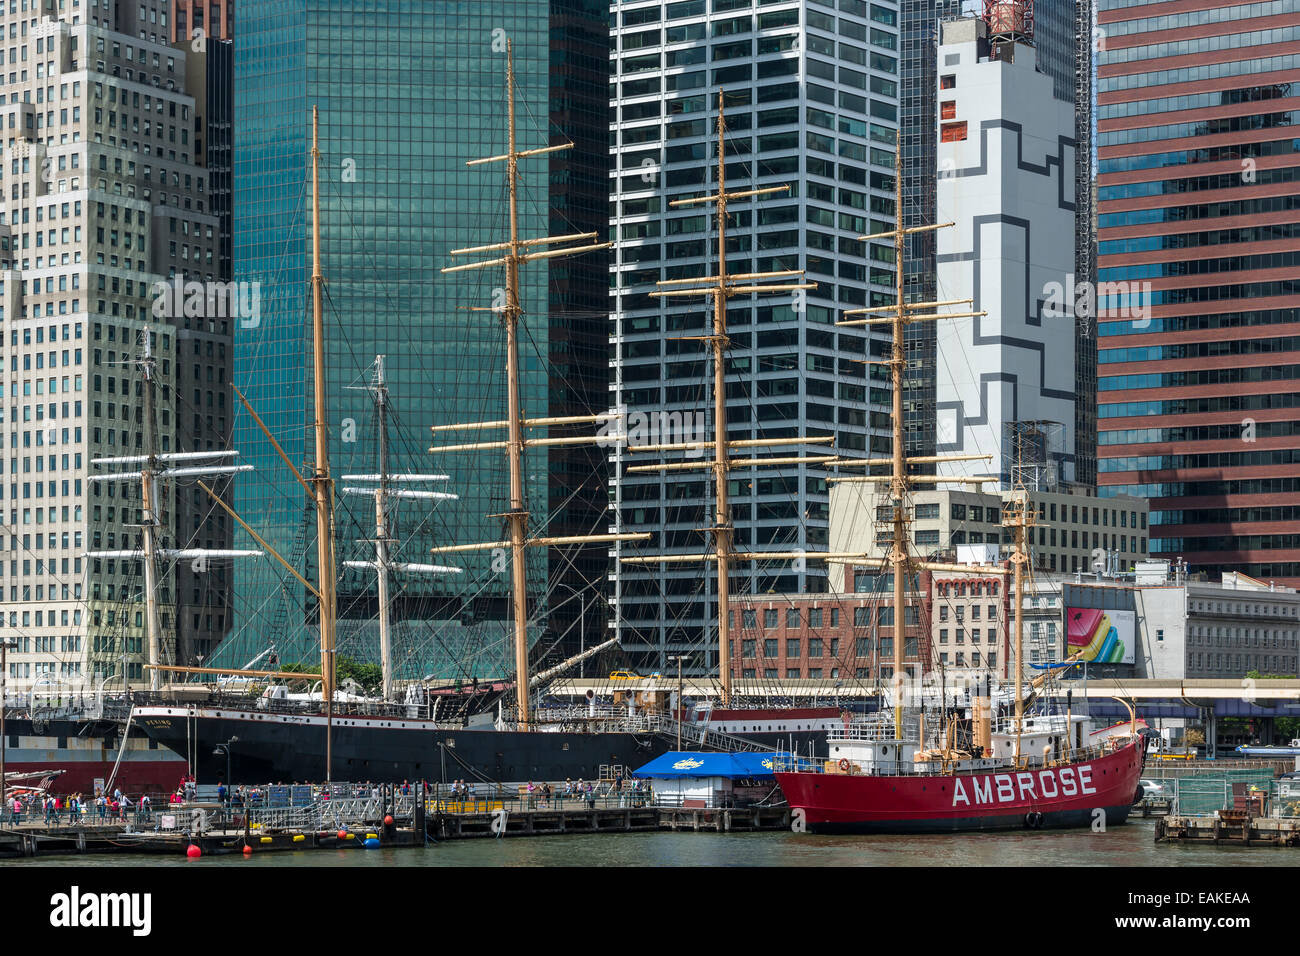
76, 808
103, 808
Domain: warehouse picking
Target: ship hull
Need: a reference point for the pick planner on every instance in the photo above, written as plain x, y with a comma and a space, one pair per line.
1085, 793
86, 751
284, 748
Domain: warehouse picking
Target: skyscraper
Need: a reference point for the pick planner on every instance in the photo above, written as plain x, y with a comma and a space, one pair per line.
105, 197
211, 19
396, 198
207, 348
1199, 212
811, 92
1060, 31
917, 128
1006, 150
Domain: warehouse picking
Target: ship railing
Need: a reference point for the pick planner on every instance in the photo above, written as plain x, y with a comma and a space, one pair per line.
578, 712
701, 736
67, 704
790, 762
273, 705
877, 727
1039, 724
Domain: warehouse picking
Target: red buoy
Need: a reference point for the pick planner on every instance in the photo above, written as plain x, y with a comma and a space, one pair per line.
193, 852
248, 850
388, 820
343, 834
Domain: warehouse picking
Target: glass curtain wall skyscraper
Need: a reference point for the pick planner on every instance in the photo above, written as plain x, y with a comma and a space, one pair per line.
1199, 212
811, 94
408, 92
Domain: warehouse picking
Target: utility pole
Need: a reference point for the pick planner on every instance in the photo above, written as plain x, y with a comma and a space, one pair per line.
6, 645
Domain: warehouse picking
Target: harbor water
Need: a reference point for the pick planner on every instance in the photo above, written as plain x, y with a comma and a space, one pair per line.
1130, 845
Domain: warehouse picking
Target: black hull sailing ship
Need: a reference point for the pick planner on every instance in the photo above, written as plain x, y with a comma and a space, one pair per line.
286, 747
323, 737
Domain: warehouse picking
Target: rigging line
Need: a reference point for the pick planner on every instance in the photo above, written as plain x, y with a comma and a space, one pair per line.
290, 241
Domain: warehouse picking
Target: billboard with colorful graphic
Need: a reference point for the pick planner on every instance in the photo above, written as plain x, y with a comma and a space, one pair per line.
1105, 636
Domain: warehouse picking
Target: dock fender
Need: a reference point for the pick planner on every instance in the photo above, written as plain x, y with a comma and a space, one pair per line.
1137, 797
1033, 819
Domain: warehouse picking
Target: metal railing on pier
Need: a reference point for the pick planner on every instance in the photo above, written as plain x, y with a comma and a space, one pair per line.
1253, 791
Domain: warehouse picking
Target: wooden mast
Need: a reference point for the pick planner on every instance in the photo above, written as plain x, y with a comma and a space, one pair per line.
322, 483
1020, 518
899, 481
722, 526
518, 513
383, 564
153, 466
898, 486
515, 423
721, 286
151, 511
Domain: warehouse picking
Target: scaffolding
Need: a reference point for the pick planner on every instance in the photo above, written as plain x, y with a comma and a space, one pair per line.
1085, 247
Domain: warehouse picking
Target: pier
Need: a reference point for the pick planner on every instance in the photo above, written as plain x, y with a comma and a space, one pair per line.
302, 818
1251, 832
1225, 811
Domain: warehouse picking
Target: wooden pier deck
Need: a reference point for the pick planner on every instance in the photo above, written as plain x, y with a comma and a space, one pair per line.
454, 826
1249, 832
29, 839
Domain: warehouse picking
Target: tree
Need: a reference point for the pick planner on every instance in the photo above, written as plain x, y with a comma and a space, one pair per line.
369, 676
1287, 727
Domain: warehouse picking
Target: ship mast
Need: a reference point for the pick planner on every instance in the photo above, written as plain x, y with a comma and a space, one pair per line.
510, 311
152, 467
899, 481
1021, 518
322, 483
382, 564
721, 287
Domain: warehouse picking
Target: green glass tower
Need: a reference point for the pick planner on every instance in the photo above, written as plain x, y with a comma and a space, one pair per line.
408, 91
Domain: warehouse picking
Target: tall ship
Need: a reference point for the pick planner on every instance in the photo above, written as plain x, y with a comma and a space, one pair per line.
493, 732
916, 769
77, 750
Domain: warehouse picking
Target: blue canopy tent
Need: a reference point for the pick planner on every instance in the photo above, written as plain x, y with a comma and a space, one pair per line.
700, 779
730, 766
